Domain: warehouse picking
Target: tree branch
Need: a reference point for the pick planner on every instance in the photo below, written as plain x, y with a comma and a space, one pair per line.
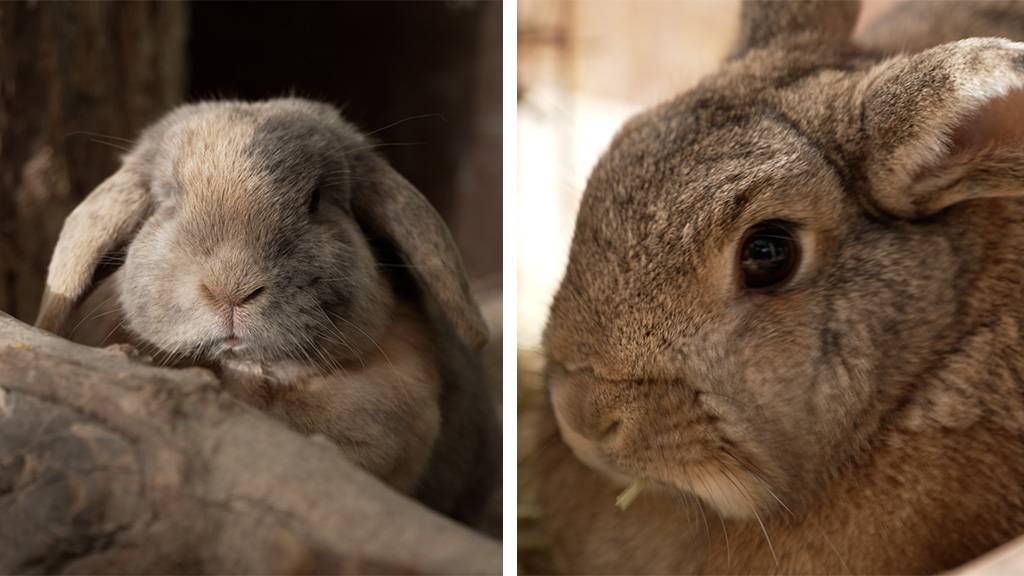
108, 464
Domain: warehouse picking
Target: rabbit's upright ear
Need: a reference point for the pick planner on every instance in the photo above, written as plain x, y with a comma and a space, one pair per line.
104, 221
944, 126
392, 208
766, 22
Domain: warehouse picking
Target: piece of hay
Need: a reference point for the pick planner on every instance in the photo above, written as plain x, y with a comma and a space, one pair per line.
627, 496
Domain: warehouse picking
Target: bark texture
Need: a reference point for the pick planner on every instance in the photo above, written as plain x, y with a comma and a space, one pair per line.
76, 80
108, 464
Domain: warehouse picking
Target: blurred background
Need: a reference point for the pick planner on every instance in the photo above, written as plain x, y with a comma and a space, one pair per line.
78, 80
584, 67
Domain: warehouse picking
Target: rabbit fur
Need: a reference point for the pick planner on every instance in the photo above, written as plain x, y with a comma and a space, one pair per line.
269, 242
868, 415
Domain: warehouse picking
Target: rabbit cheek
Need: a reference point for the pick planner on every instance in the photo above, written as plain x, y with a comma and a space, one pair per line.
151, 291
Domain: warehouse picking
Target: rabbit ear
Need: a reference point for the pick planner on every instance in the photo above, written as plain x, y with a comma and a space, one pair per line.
391, 208
105, 220
765, 22
944, 126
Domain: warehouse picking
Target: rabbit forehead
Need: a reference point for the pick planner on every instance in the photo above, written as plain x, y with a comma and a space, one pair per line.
656, 237
210, 156
642, 199
246, 153
297, 149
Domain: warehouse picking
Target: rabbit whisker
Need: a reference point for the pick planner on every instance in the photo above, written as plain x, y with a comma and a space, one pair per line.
110, 145
725, 533
721, 520
337, 332
325, 361
98, 135
753, 508
90, 316
112, 331
333, 363
301, 348
766, 538
700, 508
346, 180
404, 120
768, 487
410, 266
381, 145
368, 337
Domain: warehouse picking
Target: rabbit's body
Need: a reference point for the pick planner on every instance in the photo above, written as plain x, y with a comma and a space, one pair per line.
268, 242
866, 413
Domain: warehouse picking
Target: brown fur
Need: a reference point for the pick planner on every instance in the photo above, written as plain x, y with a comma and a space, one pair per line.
865, 417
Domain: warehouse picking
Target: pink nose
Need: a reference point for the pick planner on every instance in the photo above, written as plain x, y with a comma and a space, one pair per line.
235, 297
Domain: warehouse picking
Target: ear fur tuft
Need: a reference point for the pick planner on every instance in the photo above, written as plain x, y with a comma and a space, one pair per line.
943, 126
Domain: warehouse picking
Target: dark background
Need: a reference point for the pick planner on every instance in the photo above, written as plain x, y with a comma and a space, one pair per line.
426, 74
429, 70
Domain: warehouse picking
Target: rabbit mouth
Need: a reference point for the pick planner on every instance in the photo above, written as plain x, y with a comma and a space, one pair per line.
230, 347
732, 493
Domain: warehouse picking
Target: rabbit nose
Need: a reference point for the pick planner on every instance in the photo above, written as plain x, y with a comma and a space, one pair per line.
251, 295
579, 409
232, 297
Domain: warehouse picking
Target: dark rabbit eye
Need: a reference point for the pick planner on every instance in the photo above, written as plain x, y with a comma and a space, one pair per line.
769, 255
314, 200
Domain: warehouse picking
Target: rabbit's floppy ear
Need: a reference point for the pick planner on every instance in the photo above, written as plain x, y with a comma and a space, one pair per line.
392, 208
945, 125
766, 22
105, 220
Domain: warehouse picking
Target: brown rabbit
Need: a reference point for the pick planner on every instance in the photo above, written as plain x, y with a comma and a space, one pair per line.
269, 242
793, 311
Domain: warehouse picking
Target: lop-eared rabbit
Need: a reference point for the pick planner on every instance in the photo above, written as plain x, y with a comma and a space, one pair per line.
269, 242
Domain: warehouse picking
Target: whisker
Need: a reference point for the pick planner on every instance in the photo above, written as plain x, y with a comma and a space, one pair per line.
382, 145
344, 341
89, 317
725, 532
766, 538
112, 331
700, 507
368, 337
98, 135
111, 145
404, 120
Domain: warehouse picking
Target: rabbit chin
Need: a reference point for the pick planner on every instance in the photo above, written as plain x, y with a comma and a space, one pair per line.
733, 492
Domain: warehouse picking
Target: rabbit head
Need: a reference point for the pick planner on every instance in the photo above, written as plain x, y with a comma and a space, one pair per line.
763, 267
255, 231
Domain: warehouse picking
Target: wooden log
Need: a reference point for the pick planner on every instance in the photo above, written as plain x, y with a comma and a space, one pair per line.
111, 465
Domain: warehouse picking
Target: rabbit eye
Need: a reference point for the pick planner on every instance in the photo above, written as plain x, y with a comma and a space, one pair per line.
768, 255
314, 200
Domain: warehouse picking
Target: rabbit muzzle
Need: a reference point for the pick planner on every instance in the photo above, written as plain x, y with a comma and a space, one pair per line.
656, 431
